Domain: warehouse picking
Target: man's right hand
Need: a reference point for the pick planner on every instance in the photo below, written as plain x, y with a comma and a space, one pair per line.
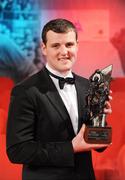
79, 144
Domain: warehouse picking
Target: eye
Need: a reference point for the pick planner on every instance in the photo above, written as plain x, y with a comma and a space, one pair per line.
55, 45
70, 44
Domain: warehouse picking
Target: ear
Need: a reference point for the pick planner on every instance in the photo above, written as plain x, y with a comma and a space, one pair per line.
43, 47
77, 45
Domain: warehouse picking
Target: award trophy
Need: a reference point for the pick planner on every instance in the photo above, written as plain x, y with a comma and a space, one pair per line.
97, 132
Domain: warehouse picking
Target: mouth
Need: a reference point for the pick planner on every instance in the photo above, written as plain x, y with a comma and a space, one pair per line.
64, 59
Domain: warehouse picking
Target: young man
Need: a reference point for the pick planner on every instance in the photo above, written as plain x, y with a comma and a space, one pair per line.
46, 120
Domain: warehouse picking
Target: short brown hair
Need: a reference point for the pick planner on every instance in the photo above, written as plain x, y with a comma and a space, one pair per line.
58, 26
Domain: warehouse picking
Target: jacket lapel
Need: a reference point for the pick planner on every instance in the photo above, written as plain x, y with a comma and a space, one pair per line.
54, 97
82, 91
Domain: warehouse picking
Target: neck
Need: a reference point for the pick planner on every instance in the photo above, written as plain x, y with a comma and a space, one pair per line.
59, 73
64, 73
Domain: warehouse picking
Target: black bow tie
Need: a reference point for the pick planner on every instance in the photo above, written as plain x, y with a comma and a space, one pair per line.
62, 80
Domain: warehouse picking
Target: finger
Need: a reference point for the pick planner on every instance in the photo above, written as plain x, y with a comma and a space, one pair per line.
107, 108
107, 104
110, 97
110, 91
107, 111
97, 146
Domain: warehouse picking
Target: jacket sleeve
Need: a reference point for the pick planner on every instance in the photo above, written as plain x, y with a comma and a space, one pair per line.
22, 146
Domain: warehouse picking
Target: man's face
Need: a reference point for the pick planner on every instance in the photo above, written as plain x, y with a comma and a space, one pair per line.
60, 50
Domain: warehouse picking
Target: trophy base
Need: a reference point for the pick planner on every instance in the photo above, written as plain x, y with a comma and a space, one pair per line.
98, 135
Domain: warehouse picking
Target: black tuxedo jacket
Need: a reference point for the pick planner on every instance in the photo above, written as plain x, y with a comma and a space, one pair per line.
39, 131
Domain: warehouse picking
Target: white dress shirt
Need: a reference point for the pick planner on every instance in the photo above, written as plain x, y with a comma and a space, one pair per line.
68, 95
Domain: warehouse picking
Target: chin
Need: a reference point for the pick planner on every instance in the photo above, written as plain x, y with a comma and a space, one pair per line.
65, 70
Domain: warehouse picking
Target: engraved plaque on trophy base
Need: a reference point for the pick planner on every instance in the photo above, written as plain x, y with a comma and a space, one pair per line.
98, 135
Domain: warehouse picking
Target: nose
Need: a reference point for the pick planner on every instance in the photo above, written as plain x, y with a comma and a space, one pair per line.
63, 50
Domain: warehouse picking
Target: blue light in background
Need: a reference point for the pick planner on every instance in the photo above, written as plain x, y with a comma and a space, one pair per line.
19, 20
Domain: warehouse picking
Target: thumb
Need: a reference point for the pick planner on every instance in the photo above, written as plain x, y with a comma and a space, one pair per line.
82, 130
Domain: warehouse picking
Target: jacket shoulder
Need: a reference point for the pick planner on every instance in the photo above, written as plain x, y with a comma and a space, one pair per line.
28, 83
82, 80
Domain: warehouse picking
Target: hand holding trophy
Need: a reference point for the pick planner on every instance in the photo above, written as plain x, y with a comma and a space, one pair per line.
97, 132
